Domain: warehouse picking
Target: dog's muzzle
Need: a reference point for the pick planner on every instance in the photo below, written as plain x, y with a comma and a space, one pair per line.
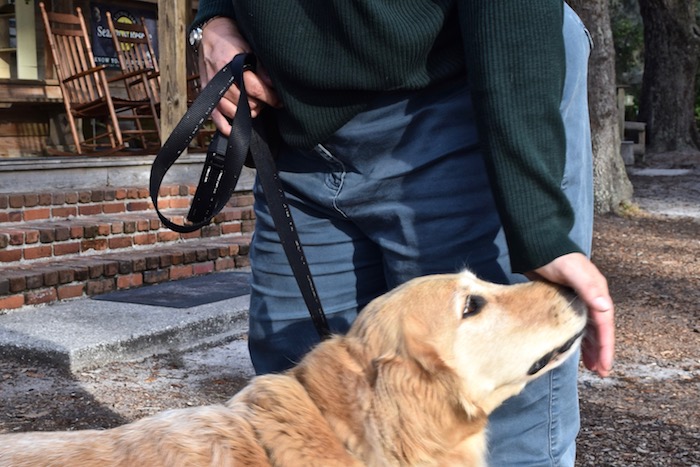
542, 362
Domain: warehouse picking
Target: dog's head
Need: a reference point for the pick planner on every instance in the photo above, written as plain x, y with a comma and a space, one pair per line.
491, 339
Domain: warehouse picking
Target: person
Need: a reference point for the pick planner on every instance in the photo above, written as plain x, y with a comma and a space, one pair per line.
422, 137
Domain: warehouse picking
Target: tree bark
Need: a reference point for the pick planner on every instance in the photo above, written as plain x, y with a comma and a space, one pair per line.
611, 186
671, 48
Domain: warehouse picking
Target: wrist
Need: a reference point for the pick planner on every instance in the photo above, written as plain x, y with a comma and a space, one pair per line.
197, 32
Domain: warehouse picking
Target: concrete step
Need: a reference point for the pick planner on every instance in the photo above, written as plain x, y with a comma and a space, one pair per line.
90, 332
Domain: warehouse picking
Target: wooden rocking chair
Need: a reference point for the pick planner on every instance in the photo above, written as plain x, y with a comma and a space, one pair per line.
136, 53
138, 62
86, 92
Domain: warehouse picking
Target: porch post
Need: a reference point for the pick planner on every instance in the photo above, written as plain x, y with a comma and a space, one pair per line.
172, 43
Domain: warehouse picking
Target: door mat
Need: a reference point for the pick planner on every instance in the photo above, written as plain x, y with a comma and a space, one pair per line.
185, 293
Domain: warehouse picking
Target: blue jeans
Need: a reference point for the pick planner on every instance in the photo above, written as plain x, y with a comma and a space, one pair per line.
401, 191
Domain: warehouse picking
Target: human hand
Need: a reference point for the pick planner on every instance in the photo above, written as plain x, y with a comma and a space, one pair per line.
221, 41
575, 270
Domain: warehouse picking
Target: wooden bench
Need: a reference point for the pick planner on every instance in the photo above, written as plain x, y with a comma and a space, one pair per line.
637, 133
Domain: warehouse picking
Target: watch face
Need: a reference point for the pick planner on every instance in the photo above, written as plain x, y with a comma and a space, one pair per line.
195, 36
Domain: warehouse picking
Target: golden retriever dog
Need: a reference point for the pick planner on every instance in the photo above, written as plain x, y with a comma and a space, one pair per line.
412, 383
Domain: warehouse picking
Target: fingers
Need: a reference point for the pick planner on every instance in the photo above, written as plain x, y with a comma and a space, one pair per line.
598, 347
222, 123
260, 92
576, 271
227, 107
260, 95
221, 41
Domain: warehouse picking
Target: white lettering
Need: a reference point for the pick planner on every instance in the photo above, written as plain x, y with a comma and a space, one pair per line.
103, 32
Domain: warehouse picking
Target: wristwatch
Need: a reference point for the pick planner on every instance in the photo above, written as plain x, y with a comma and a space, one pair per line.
195, 37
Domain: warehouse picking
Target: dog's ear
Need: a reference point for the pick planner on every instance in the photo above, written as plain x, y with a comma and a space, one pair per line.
419, 360
400, 384
425, 354
421, 342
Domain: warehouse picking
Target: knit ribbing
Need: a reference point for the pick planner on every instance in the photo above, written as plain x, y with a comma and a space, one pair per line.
521, 127
211, 8
329, 60
394, 45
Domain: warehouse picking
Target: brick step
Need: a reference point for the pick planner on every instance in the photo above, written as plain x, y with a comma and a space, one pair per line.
28, 207
35, 241
89, 275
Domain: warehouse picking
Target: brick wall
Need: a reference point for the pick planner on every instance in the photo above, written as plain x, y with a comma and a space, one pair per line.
62, 245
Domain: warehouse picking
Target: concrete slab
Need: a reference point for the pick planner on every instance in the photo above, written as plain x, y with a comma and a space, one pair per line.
659, 172
85, 333
21, 175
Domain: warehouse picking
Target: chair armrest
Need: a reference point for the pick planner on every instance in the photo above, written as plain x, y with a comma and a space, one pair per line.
131, 74
87, 72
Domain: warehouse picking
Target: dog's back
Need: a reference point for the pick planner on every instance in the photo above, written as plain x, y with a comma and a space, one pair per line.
270, 422
198, 436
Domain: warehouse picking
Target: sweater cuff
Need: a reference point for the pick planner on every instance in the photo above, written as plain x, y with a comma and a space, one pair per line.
209, 9
526, 257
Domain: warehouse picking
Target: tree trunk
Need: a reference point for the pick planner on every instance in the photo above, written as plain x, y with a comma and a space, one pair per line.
611, 185
671, 48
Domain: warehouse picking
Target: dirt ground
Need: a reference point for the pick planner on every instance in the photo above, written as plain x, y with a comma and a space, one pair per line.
646, 414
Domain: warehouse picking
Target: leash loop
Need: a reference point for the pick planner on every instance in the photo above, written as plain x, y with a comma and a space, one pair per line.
222, 168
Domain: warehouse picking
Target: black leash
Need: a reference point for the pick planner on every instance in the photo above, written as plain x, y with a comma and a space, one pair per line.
222, 168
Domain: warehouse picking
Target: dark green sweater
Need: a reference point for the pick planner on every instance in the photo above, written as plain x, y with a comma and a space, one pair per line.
328, 59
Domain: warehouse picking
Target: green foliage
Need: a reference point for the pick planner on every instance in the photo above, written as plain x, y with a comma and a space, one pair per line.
628, 37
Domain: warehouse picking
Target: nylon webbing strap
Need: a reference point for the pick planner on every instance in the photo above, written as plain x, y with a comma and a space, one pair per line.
225, 158
222, 168
282, 217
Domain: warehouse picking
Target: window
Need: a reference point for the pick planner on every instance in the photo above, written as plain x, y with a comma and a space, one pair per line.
18, 59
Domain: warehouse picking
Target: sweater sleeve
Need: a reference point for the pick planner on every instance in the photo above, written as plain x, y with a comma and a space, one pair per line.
210, 8
516, 64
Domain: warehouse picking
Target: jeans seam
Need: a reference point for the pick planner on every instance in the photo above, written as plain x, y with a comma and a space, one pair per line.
339, 176
552, 441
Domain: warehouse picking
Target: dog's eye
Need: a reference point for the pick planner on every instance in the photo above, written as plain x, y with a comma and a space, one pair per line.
473, 305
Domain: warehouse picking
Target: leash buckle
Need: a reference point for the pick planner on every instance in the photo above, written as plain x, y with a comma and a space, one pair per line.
205, 197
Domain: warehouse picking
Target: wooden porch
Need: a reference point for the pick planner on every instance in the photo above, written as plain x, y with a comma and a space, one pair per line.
32, 115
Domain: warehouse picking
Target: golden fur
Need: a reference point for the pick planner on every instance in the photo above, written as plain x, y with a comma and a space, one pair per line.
412, 383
